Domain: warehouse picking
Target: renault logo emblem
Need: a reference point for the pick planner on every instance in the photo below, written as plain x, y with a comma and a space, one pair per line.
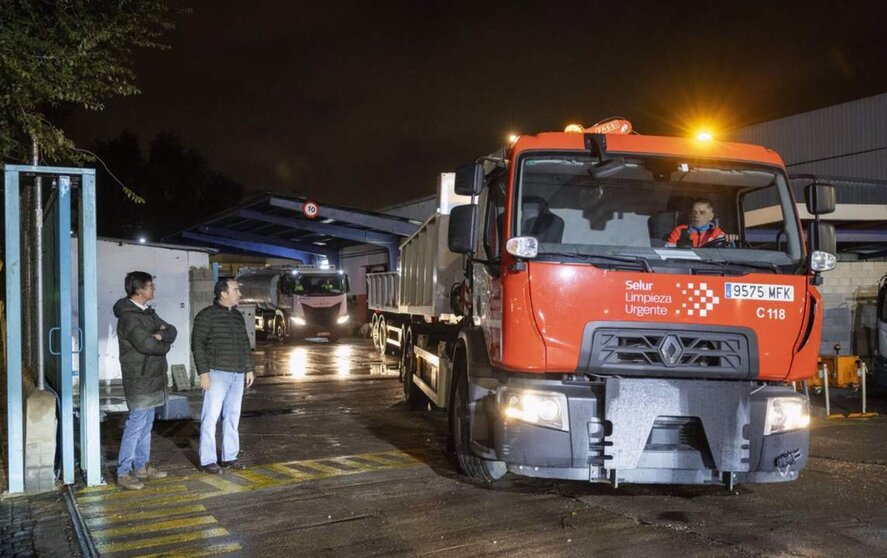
670, 349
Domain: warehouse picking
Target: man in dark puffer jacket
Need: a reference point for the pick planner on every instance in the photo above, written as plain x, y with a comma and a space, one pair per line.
144, 341
221, 353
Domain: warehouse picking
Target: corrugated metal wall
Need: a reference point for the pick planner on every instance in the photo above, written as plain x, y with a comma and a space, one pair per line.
847, 140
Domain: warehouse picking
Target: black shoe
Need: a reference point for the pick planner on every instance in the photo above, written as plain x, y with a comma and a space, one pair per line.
212, 469
233, 464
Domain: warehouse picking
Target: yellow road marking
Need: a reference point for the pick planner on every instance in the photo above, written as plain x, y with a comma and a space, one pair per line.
121, 502
330, 471
256, 477
377, 458
160, 541
294, 474
99, 522
224, 486
152, 527
212, 550
355, 466
99, 508
92, 489
108, 512
112, 487
134, 494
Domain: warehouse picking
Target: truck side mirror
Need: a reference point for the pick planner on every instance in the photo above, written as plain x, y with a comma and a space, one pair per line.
823, 248
820, 198
821, 236
460, 233
470, 179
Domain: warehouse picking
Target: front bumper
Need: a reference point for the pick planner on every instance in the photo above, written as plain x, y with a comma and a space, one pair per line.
639, 430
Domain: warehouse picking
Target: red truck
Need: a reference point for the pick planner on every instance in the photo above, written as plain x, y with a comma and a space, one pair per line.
578, 320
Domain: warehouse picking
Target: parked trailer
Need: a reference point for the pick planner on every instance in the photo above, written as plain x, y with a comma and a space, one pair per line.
574, 329
298, 301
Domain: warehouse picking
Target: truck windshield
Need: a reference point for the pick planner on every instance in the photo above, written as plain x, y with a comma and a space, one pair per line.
309, 285
655, 208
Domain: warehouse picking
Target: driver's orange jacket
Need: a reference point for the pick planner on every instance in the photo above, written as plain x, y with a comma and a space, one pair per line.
698, 238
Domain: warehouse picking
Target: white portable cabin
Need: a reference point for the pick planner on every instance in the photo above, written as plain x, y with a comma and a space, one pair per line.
171, 267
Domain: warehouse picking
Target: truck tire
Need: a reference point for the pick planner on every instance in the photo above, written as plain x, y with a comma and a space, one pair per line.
382, 341
374, 330
484, 470
414, 397
279, 330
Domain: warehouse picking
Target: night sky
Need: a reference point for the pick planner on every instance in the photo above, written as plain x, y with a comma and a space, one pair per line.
364, 103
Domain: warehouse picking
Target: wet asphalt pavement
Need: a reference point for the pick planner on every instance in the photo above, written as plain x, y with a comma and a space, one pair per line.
336, 466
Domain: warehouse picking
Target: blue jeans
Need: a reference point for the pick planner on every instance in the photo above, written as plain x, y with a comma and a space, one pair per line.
223, 399
135, 446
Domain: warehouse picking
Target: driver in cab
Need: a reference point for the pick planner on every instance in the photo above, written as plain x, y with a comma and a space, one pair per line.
701, 230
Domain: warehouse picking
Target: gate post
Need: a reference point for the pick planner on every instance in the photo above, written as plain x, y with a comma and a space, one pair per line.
14, 405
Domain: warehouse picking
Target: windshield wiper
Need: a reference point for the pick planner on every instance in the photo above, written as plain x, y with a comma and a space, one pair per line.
636, 261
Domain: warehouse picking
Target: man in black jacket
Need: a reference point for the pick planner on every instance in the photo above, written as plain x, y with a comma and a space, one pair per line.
144, 341
222, 355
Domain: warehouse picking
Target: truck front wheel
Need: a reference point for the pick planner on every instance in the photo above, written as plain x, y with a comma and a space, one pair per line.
280, 330
460, 434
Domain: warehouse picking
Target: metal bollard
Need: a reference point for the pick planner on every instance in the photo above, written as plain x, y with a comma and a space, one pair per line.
862, 372
824, 372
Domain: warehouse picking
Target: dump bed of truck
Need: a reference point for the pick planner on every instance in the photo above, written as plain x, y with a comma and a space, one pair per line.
428, 269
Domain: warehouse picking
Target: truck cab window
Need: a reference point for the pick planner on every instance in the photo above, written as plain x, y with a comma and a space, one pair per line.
319, 285
494, 217
649, 206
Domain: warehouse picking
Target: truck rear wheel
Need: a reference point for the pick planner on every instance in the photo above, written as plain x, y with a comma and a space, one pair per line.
382, 340
374, 330
460, 435
412, 395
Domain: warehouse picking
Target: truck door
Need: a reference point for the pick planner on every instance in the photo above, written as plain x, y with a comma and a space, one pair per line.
487, 293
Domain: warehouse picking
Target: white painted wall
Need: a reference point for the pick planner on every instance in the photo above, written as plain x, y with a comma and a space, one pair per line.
354, 261
170, 267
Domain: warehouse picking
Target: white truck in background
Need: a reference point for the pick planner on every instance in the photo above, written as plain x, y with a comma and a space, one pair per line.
298, 301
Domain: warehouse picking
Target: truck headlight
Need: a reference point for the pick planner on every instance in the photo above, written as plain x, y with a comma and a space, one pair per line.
299, 321
785, 414
342, 319
543, 408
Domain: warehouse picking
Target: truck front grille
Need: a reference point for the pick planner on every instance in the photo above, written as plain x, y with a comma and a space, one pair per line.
321, 317
633, 351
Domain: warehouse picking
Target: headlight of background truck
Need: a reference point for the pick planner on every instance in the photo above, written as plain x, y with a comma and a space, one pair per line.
785, 414
543, 408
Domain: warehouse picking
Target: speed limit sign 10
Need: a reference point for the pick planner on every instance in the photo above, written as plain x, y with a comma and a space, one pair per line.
310, 209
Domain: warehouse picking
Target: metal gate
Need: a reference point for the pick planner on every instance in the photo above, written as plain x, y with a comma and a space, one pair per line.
63, 330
